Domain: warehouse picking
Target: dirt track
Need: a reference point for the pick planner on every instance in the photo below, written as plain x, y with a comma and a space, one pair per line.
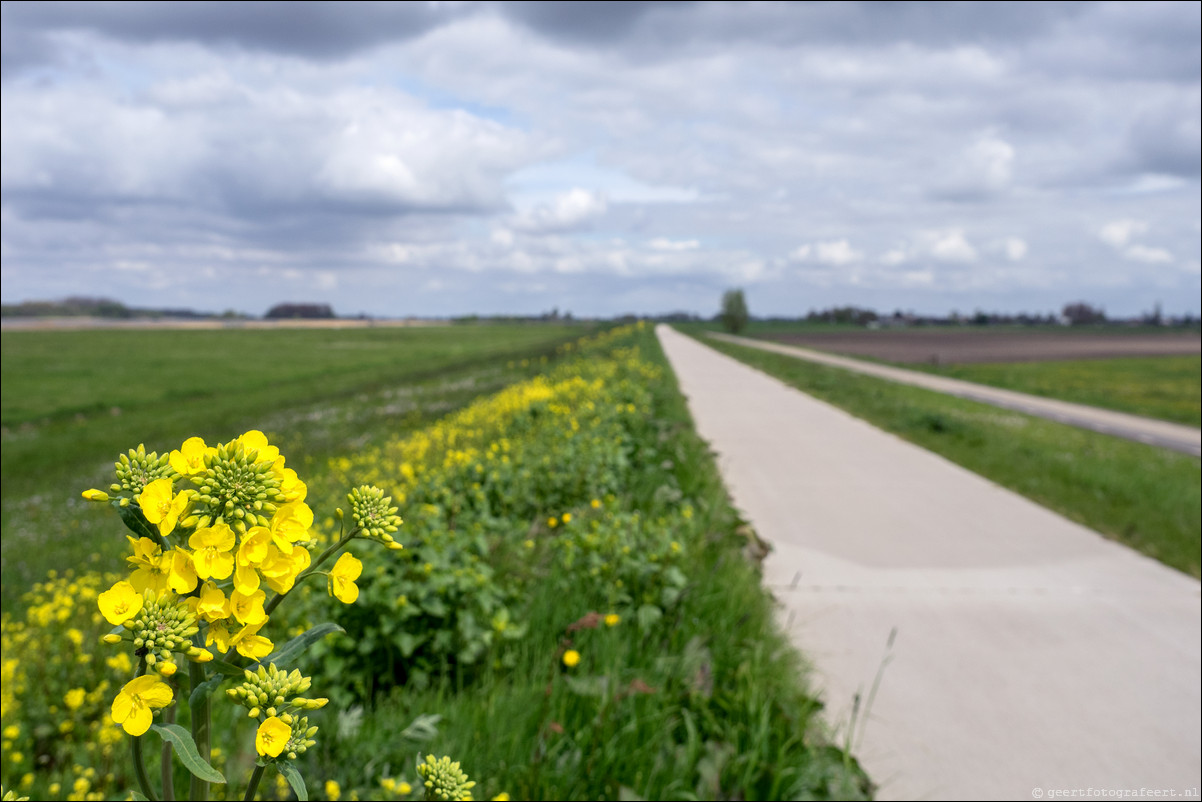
944, 346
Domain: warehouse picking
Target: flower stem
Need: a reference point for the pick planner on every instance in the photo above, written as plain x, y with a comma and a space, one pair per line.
140, 769
253, 786
165, 764
325, 555
201, 728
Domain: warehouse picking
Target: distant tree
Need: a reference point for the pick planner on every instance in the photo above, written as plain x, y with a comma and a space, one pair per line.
1082, 314
285, 311
734, 311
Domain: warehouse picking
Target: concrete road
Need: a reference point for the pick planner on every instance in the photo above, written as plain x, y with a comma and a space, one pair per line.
1132, 427
1016, 654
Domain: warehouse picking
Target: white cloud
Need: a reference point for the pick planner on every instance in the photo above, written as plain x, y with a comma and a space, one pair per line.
569, 210
1119, 232
801, 253
838, 252
951, 246
1143, 253
664, 244
1014, 248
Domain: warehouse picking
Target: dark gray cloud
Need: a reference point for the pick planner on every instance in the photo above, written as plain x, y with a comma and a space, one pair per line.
321, 30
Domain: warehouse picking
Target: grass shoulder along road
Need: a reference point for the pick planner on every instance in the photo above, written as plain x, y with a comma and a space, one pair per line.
1145, 497
1164, 387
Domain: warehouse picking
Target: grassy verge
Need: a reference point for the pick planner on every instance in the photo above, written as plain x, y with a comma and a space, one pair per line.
1165, 387
1145, 497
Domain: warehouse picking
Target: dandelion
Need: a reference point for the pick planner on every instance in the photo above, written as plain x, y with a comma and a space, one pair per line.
571, 658
612, 620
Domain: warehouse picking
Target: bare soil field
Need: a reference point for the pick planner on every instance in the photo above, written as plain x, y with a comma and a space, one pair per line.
948, 346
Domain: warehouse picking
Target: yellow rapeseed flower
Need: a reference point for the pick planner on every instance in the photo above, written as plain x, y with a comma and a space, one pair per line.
119, 603
333, 790
133, 705
342, 578
212, 551
190, 459
161, 507
272, 737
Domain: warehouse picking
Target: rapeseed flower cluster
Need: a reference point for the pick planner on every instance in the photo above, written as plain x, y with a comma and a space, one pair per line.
444, 779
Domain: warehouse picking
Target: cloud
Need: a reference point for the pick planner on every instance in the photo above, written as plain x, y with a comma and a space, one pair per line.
983, 170
569, 211
951, 246
833, 252
1118, 233
1014, 248
665, 244
1143, 253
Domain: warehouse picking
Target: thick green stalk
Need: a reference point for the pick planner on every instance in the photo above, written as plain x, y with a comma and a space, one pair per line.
166, 765
201, 728
253, 786
140, 769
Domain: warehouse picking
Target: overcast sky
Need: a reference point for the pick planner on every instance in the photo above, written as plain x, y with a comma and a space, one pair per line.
453, 158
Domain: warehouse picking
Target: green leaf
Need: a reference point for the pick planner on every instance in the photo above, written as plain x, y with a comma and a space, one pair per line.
185, 747
648, 615
288, 652
295, 780
202, 691
132, 515
587, 686
229, 669
138, 797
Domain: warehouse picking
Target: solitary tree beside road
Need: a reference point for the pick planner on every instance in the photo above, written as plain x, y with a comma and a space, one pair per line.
734, 311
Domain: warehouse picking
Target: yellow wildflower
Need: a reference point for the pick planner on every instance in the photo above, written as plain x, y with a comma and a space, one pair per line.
333, 790
190, 459
212, 549
133, 705
248, 607
250, 643
119, 603
272, 737
161, 507
342, 578
612, 620
571, 658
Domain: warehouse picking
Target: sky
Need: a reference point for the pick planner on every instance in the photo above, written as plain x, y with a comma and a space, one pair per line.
437, 159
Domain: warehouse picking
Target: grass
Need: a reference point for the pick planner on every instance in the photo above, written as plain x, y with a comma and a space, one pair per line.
702, 700
1145, 497
705, 705
1165, 387
73, 400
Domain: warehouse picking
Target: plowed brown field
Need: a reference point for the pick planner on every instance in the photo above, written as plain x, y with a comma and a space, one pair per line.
944, 346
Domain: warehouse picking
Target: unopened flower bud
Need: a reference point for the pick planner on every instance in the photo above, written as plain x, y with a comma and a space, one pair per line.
95, 495
111, 638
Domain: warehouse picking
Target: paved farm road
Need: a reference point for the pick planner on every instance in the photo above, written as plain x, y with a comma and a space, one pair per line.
1018, 654
1154, 432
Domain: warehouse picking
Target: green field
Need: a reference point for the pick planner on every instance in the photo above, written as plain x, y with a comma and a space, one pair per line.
1145, 497
1165, 387
73, 400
